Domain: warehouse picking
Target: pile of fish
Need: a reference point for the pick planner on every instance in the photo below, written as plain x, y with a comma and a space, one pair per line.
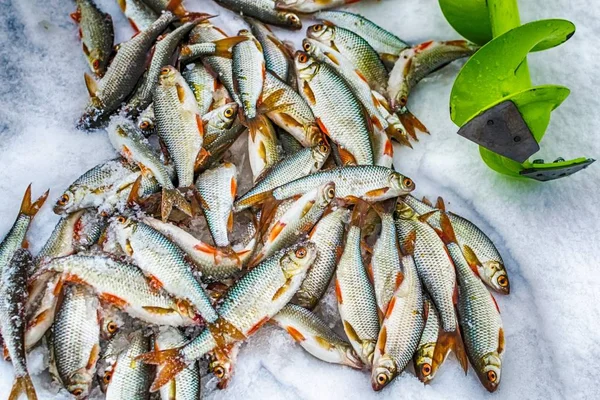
198, 233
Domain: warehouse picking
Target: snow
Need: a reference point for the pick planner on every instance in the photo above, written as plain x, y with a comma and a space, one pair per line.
546, 232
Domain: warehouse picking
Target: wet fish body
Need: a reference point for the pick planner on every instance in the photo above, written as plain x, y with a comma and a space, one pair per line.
249, 68
310, 6
131, 379
202, 83
97, 35
263, 10
277, 56
139, 15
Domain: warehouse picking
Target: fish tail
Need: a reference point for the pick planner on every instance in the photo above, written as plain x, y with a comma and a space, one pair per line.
449, 341
447, 233
176, 8
411, 123
21, 385
223, 46
359, 214
253, 200
170, 198
259, 124
27, 207
171, 362
222, 327
385, 207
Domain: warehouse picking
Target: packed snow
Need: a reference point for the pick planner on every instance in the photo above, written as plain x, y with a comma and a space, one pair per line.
547, 233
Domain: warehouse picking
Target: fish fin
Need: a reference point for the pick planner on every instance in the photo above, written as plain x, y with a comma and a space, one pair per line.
85, 49
323, 343
27, 207
21, 385
447, 235
255, 199
259, 124
471, 258
164, 150
359, 213
258, 325
500, 341
346, 157
90, 84
180, 93
233, 187
385, 207
411, 123
370, 273
158, 310
38, 319
495, 303
338, 292
192, 16
5, 353
295, 334
377, 192
155, 283
350, 332
281, 291
426, 201
134, 194
76, 15
203, 203
93, 358
382, 339
230, 222
365, 247
321, 126
170, 198
309, 94
175, 7
273, 102
201, 159
399, 280
449, 341
439, 204
389, 60
409, 243
112, 299
222, 327
171, 364
222, 46
426, 216
279, 226
390, 307
398, 135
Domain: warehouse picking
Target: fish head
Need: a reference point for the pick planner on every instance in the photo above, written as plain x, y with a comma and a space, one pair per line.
226, 116
146, 124
124, 227
367, 349
320, 152
496, 274
93, 116
489, 370
297, 259
349, 357
326, 193
111, 323
311, 46
221, 365
71, 200
306, 66
400, 184
168, 76
424, 362
324, 33
404, 211
289, 19
79, 383
383, 372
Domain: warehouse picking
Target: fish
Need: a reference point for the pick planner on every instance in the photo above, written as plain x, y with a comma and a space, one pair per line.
303, 163
96, 33
437, 273
165, 264
402, 326
396, 129
104, 186
219, 48
338, 112
13, 294
16, 237
131, 379
179, 123
203, 84
478, 248
107, 361
132, 145
264, 11
423, 357
301, 216
417, 62
112, 322
263, 147
76, 341
328, 236
290, 111
121, 76
222, 127
314, 336
278, 58
367, 182
221, 363
310, 6
213, 263
126, 287
218, 188
479, 316
386, 265
356, 49
161, 57
354, 293
174, 6
249, 304
139, 15
249, 70
388, 45
146, 122
186, 385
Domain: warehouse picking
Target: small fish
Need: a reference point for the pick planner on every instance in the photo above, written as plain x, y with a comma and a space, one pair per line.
290, 112
303, 163
76, 341
437, 273
15, 238
218, 188
477, 247
368, 182
121, 76
97, 35
212, 263
186, 386
248, 305
356, 49
248, 73
419, 61
132, 145
355, 297
222, 127
221, 363
396, 129
328, 236
301, 216
108, 358
423, 357
278, 58
310, 6
13, 294
139, 15
263, 10
401, 328
146, 122
479, 316
338, 112
126, 287
179, 123
131, 379
203, 84
263, 147
164, 263
316, 337
384, 42
220, 48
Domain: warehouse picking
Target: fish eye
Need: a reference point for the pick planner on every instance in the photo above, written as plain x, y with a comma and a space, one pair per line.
107, 377
426, 369
502, 281
293, 18
302, 57
229, 112
112, 327
491, 376
96, 64
382, 379
164, 70
144, 125
403, 100
219, 372
64, 199
306, 46
77, 392
317, 28
121, 219
331, 193
407, 182
243, 32
301, 252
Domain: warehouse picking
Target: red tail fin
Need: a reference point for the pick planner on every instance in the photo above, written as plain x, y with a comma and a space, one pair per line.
27, 207
171, 364
449, 341
21, 385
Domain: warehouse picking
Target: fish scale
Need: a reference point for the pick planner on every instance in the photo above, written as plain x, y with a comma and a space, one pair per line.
131, 379
277, 59
337, 109
385, 262
140, 15
423, 358
203, 84
186, 385
76, 340
248, 65
263, 10
310, 6
97, 35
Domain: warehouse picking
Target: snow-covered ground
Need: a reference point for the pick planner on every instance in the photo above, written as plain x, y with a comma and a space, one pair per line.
548, 233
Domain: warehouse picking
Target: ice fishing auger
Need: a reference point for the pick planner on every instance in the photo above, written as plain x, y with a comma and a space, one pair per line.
493, 100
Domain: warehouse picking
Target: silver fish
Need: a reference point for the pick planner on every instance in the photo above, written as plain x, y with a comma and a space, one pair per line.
263, 147
263, 10
139, 15
202, 83
249, 70
278, 58
131, 379
423, 358
97, 34
186, 385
